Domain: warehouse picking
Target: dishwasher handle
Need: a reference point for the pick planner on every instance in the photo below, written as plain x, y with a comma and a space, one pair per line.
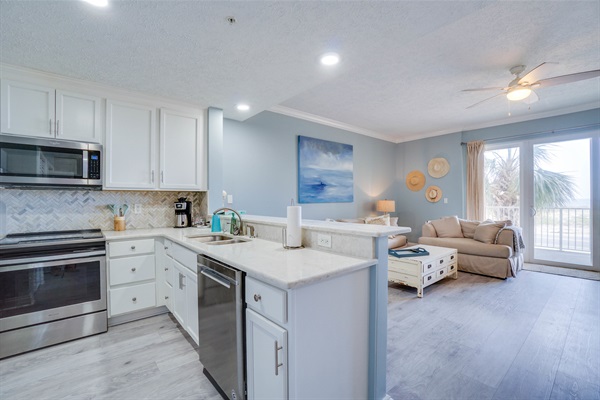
215, 276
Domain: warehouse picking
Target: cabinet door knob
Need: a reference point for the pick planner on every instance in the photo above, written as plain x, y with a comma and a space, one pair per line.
132, 247
166, 297
257, 297
166, 269
441, 261
133, 269
134, 299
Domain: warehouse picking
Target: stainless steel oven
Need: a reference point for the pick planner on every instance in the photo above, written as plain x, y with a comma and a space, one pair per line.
52, 289
39, 163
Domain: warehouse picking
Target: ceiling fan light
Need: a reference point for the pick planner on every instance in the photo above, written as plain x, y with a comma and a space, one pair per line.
518, 93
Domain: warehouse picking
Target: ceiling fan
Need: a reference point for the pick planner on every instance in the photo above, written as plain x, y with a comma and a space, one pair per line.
521, 88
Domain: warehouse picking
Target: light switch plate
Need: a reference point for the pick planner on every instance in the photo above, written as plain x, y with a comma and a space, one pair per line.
445, 200
324, 240
230, 198
137, 208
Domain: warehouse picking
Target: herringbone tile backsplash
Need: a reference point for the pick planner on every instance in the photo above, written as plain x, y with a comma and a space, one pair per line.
54, 210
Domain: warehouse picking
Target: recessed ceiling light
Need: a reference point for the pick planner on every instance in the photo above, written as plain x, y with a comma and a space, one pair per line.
97, 3
243, 107
330, 59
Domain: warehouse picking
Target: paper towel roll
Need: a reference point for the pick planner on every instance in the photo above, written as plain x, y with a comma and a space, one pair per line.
294, 226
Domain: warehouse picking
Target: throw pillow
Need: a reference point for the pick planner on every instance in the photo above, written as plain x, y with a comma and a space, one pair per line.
468, 227
382, 220
447, 227
486, 232
393, 221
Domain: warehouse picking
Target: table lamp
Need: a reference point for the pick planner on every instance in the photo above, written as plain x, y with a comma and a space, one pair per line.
386, 206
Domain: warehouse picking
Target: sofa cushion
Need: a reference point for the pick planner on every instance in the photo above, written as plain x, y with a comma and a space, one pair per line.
486, 232
397, 241
470, 246
468, 227
447, 227
352, 220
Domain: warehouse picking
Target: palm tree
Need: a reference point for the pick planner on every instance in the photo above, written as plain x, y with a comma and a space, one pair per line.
551, 189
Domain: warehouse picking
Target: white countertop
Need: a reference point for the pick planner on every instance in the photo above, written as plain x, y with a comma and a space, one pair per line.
333, 227
262, 259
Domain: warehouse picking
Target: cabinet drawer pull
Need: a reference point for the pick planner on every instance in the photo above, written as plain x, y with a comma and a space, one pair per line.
257, 298
452, 257
428, 278
50, 126
428, 266
166, 297
133, 269
134, 299
441, 261
166, 269
277, 363
132, 247
57, 128
441, 272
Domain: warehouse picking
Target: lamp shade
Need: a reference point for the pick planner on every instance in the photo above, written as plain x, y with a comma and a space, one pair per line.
386, 205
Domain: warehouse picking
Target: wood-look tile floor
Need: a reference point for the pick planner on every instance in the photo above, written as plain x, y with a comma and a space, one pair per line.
146, 359
533, 337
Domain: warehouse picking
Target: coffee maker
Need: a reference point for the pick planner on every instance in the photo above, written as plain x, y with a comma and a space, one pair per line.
183, 213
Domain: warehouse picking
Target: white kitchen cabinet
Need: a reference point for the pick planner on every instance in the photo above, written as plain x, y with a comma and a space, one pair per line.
183, 156
179, 294
164, 272
185, 289
30, 109
191, 321
131, 276
266, 352
130, 146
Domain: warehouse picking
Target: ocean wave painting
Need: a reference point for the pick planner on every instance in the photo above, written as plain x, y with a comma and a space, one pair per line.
325, 171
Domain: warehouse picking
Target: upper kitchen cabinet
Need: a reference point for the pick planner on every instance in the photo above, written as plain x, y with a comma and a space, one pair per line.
31, 109
131, 150
130, 146
183, 160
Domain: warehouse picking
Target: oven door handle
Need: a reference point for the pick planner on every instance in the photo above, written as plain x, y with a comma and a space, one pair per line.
49, 261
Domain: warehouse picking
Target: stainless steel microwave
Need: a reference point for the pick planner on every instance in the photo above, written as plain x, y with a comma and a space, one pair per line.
45, 163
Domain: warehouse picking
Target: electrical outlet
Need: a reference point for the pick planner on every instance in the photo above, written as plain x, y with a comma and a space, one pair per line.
324, 240
230, 198
137, 208
445, 200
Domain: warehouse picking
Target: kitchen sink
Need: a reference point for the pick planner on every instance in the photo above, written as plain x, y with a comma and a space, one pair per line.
209, 238
229, 241
218, 239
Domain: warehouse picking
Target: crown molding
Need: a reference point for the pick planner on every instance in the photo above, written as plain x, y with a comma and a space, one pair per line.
291, 112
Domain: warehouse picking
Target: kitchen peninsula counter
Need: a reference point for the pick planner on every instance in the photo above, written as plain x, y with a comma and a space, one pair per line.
262, 259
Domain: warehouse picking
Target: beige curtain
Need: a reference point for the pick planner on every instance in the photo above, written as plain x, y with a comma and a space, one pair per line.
475, 175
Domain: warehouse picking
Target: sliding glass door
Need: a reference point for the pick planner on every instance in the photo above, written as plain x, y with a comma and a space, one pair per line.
547, 187
561, 206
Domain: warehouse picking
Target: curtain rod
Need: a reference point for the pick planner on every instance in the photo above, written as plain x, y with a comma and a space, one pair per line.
505, 138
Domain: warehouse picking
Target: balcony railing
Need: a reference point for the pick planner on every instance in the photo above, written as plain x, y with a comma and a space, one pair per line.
563, 229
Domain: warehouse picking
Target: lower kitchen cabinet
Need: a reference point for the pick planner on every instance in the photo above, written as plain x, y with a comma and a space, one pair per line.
185, 290
266, 358
294, 349
131, 276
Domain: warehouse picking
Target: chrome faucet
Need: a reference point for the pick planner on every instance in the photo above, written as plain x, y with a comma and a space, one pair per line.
236, 230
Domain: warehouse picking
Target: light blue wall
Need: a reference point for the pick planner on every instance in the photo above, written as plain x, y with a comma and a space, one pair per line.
412, 208
215, 157
260, 166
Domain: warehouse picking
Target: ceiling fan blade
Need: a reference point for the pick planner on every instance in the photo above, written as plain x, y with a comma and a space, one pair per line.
482, 89
532, 98
533, 75
489, 98
559, 80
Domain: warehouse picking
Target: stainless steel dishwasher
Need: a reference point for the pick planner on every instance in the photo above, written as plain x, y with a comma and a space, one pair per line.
221, 326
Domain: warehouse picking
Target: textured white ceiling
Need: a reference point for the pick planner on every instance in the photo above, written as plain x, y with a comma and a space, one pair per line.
403, 62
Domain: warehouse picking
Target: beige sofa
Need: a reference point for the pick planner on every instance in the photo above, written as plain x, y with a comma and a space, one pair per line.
492, 248
393, 242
